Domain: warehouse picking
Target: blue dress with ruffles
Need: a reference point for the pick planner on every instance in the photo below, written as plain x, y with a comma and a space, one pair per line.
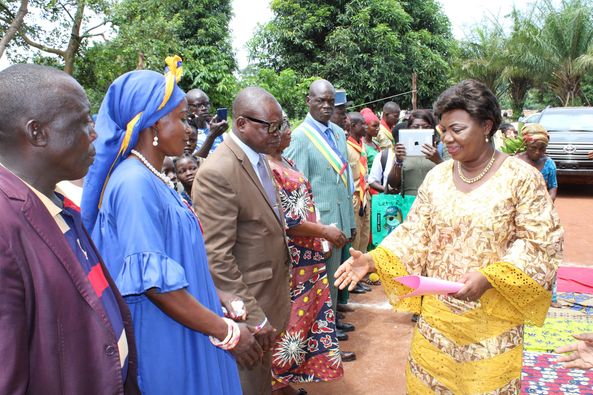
149, 238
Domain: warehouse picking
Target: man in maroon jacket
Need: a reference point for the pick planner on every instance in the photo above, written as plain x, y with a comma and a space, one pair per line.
64, 328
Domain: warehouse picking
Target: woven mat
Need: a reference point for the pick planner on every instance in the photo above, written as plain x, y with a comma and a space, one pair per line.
568, 313
543, 375
556, 332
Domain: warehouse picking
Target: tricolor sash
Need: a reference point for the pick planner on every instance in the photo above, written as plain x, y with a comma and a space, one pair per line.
387, 131
328, 153
362, 165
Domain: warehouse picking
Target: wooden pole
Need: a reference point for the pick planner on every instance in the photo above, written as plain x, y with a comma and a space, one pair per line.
414, 92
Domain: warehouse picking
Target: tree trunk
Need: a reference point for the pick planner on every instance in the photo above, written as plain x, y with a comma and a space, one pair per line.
75, 39
518, 89
15, 25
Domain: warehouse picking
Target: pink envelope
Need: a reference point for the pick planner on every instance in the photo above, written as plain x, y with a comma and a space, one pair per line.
428, 286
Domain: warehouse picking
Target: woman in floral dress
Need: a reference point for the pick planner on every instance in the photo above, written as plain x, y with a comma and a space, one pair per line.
307, 351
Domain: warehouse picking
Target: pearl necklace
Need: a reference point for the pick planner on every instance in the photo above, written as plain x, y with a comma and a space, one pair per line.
150, 167
479, 176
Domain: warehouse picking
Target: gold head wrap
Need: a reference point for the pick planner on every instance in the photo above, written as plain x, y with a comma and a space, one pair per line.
535, 132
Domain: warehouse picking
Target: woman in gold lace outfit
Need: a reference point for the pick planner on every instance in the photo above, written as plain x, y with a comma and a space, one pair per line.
484, 219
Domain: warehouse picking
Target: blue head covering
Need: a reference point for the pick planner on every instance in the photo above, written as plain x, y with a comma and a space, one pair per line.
134, 101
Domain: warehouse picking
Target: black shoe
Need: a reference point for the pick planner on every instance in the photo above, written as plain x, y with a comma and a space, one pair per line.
358, 290
347, 356
365, 286
344, 308
341, 336
344, 326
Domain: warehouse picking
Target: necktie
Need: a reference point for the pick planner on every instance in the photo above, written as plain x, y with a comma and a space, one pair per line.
330, 139
267, 183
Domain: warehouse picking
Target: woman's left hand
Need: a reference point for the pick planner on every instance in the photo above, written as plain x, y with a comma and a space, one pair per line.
233, 305
431, 153
475, 286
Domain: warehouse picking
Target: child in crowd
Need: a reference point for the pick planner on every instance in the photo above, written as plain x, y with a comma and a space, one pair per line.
185, 169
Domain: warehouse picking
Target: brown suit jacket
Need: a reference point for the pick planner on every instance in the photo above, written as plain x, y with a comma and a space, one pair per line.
245, 240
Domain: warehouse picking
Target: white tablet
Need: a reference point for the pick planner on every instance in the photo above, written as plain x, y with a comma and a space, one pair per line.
413, 139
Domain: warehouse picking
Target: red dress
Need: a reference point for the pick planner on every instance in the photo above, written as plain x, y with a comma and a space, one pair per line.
307, 351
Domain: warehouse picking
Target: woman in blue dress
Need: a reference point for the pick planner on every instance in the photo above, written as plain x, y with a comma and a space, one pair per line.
152, 243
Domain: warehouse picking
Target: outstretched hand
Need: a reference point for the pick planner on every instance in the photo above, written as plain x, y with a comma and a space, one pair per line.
353, 270
581, 352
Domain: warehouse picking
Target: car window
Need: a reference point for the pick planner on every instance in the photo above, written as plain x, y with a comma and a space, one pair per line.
567, 121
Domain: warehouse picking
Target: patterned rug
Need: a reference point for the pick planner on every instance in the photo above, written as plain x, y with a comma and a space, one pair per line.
543, 375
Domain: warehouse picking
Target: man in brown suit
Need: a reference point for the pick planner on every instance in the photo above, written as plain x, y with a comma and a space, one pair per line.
237, 202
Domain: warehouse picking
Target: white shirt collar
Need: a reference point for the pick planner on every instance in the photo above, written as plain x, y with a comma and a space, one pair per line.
319, 125
251, 154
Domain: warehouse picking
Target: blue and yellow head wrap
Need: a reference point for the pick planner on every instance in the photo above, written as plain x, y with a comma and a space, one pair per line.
134, 102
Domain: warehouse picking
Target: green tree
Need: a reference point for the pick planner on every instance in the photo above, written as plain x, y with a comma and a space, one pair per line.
559, 48
520, 78
12, 17
150, 30
482, 57
369, 48
287, 87
57, 27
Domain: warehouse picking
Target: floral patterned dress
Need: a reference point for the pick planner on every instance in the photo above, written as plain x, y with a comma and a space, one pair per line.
307, 351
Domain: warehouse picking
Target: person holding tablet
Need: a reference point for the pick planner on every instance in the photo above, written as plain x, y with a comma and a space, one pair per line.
407, 173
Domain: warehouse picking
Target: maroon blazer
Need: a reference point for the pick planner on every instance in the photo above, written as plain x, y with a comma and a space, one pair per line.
55, 337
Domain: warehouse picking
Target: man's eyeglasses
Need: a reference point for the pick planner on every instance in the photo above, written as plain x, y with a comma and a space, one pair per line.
285, 125
273, 127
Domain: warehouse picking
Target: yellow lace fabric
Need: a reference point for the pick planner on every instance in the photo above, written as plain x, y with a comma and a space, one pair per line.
518, 297
509, 230
388, 267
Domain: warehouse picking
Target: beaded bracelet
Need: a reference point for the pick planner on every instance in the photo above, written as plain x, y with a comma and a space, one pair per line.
232, 338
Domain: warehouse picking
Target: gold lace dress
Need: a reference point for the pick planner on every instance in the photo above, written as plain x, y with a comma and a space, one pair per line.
507, 229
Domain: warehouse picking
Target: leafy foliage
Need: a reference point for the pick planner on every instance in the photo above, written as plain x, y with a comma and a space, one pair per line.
150, 30
287, 86
369, 48
57, 27
549, 50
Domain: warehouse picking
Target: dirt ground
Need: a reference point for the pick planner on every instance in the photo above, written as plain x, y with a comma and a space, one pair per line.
382, 337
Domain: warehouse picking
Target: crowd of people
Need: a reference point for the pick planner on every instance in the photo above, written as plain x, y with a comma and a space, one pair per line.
200, 260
